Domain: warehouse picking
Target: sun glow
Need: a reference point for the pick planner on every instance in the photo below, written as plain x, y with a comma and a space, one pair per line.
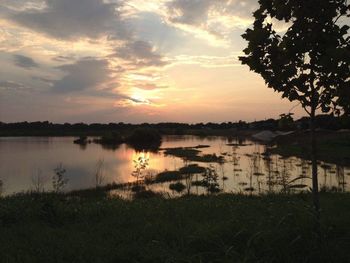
139, 98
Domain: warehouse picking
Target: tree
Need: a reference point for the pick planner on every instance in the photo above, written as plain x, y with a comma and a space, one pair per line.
309, 62
286, 121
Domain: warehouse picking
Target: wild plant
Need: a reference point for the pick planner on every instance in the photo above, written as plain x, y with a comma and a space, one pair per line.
59, 180
99, 176
210, 180
38, 182
140, 164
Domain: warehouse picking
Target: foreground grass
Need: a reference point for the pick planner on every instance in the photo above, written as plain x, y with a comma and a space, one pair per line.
224, 228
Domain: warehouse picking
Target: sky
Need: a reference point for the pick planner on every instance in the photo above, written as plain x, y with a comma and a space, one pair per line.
130, 61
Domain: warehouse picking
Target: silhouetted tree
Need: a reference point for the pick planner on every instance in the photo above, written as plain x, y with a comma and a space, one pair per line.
308, 62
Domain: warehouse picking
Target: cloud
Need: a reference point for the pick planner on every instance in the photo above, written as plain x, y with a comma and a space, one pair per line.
150, 86
61, 58
85, 74
198, 12
70, 19
10, 85
140, 53
193, 12
24, 62
210, 19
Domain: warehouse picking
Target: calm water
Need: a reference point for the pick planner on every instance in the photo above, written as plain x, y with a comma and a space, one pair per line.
24, 160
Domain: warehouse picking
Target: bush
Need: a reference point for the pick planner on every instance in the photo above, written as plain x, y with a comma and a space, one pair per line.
112, 138
144, 139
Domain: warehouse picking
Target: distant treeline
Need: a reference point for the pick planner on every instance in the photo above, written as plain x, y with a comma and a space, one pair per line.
46, 128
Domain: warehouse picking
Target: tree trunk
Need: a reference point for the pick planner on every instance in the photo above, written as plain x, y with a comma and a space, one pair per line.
315, 194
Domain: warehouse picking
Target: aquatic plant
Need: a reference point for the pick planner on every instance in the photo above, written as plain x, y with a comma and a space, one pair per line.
59, 181
82, 140
38, 182
192, 169
177, 187
99, 176
167, 176
210, 180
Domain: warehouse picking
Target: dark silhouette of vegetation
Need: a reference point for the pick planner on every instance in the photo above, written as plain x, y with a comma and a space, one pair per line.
333, 147
216, 228
168, 176
99, 176
144, 139
286, 122
59, 180
1, 187
191, 154
192, 169
140, 164
210, 180
82, 140
240, 128
38, 181
110, 139
310, 63
177, 187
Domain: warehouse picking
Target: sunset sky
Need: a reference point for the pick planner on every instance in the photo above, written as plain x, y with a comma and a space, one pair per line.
131, 61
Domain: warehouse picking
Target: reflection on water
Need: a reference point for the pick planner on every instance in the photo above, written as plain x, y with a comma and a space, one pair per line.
29, 163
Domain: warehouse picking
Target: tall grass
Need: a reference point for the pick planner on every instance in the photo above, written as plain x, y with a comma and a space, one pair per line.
223, 228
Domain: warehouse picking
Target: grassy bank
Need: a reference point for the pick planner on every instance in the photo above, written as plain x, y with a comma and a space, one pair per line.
224, 228
332, 147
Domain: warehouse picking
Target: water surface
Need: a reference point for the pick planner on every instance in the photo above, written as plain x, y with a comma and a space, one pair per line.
246, 169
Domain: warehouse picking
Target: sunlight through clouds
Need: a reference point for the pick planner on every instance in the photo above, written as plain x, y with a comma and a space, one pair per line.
125, 58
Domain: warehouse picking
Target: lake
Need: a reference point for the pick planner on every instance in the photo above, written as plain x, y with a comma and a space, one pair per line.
26, 160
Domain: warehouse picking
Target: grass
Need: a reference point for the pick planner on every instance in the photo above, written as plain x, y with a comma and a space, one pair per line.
223, 228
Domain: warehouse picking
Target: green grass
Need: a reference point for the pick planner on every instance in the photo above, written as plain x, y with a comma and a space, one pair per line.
224, 228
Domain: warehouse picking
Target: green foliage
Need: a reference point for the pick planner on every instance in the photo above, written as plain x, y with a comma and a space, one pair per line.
310, 62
